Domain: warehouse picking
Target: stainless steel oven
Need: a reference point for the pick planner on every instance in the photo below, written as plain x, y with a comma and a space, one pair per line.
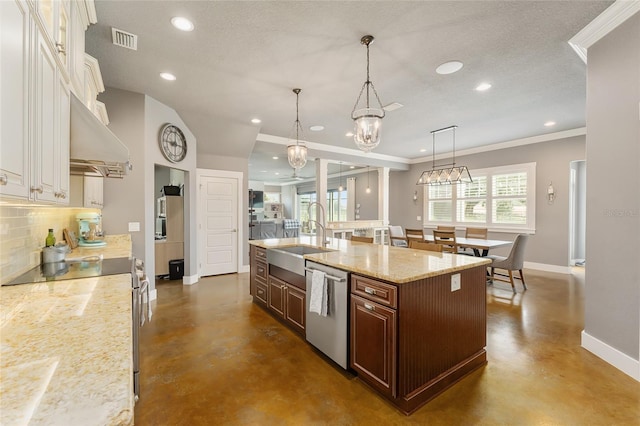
141, 307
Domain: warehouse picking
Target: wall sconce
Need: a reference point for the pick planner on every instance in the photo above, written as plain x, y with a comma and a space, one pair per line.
551, 193
415, 196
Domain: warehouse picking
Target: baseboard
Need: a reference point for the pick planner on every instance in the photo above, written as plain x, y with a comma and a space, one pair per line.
244, 268
153, 294
611, 355
548, 268
189, 279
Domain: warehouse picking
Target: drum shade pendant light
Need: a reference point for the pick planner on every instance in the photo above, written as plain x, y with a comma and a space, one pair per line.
297, 154
367, 120
446, 174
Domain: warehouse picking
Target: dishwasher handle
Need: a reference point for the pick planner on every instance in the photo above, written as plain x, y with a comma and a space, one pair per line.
329, 277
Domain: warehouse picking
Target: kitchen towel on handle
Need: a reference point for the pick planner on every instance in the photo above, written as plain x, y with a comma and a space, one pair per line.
318, 301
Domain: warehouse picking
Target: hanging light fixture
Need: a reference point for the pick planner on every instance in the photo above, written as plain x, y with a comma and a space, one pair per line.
367, 120
297, 154
340, 188
450, 173
368, 188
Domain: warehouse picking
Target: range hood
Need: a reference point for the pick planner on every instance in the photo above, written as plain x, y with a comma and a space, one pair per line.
95, 150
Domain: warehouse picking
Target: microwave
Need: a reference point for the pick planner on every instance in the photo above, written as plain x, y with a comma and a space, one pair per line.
162, 206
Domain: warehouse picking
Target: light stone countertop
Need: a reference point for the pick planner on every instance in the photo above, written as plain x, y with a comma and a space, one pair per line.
117, 246
394, 264
66, 352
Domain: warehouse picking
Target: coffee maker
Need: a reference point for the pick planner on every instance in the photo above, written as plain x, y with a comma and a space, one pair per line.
90, 230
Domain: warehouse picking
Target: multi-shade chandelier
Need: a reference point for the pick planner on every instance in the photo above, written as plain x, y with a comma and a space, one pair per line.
367, 120
297, 154
445, 174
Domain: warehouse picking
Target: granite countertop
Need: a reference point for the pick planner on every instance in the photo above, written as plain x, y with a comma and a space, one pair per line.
394, 264
66, 354
117, 246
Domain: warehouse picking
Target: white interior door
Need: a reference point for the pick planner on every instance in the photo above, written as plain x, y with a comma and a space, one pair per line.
218, 225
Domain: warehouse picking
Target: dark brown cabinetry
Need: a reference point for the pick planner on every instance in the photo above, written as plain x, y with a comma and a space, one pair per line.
287, 302
411, 341
258, 276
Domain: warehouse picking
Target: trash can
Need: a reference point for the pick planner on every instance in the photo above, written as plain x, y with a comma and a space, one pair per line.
176, 269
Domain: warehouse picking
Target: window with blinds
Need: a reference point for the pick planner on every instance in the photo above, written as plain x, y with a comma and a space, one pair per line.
499, 198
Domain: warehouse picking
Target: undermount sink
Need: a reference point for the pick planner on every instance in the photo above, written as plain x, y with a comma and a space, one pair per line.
290, 258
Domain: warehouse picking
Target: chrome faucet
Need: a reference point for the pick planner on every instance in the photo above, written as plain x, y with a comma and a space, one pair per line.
321, 225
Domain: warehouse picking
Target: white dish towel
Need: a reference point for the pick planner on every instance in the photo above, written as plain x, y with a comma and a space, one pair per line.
318, 302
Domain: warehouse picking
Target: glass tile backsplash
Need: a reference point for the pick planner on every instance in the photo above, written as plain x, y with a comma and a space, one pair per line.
23, 230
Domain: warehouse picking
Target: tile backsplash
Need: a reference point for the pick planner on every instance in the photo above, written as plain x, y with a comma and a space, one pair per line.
23, 230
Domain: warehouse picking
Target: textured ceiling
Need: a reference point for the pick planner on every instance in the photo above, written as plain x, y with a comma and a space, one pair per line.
243, 59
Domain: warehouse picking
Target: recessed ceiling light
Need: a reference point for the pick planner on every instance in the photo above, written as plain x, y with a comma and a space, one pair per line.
277, 173
256, 121
392, 106
168, 76
183, 24
449, 67
349, 134
483, 86
263, 171
423, 150
550, 123
275, 157
352, 167
317, 128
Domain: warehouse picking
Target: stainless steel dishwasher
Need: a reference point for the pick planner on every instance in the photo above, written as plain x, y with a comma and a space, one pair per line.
330, 334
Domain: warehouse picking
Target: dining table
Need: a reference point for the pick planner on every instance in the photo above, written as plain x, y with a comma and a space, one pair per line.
479, 246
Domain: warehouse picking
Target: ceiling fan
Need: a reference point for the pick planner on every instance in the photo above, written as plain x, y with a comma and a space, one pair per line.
294, 176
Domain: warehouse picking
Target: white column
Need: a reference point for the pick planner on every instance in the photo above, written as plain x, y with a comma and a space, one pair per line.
351, 198
321, 187
383, 195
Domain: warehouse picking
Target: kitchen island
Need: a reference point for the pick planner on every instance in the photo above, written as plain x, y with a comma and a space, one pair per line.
417, 319
66, 348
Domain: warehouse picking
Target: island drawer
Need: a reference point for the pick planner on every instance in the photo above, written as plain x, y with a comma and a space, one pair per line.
261, 291
383, 293
261, 269
261, 254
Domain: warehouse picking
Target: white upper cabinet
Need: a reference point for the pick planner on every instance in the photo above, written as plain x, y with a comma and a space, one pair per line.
14, 73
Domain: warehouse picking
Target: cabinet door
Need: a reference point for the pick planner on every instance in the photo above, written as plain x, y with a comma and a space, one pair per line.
14, 71
62, 144
276, 295
295, 307
45, 141
373, 344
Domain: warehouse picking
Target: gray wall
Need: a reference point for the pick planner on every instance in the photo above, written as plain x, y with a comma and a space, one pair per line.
612, 288
550, 244
123, 198
233, 164
368, 202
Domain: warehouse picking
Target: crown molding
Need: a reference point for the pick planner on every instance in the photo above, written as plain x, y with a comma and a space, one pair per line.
602, 25
509, 144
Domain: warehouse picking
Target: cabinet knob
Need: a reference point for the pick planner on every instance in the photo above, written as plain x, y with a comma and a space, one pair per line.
369, 290
38, 189
60, 48
4, 179
369, 307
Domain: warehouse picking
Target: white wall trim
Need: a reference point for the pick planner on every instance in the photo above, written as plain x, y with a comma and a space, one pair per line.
508, 144
611, 355
244, 268
548, 268
153, 294
190, 279
602, 25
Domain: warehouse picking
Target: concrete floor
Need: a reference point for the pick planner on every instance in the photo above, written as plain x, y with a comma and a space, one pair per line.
211, 357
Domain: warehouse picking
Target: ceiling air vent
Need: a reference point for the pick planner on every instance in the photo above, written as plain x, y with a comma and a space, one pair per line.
124, 39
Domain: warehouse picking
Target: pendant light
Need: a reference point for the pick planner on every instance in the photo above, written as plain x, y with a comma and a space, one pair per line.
297, 154
340, 188
449, 174
368, 188
367, 120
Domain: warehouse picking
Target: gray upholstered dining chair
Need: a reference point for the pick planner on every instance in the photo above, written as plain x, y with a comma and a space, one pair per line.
513, 262
397, 237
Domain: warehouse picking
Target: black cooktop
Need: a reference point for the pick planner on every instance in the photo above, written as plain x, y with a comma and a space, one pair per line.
58, 271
